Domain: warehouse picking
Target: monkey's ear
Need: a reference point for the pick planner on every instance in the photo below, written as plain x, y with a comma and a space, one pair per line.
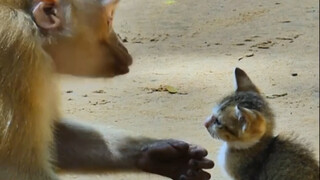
243, 82
46, 14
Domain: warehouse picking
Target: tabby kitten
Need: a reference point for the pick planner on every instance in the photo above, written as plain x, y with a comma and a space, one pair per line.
245, 122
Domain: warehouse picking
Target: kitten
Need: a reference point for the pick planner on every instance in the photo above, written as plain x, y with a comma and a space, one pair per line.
245, 122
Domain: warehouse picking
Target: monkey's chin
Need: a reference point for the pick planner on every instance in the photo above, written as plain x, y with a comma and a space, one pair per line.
119, 72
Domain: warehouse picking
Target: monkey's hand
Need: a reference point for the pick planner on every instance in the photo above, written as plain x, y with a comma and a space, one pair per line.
175, 159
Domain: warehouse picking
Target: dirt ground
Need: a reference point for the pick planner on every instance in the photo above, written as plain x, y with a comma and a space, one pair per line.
194, 47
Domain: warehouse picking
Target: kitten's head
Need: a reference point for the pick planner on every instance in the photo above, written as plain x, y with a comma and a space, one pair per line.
242, 118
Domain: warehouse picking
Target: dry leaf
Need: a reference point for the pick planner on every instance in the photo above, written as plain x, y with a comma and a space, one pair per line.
170, 2
171, 89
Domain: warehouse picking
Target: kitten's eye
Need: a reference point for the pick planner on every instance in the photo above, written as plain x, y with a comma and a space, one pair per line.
217, 122
241, 119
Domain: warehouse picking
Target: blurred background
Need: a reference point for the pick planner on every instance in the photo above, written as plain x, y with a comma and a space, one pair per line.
191, 48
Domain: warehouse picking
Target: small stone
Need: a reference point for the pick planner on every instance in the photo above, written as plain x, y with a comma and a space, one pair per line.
240, 44
250, 55
99, 91
285, 21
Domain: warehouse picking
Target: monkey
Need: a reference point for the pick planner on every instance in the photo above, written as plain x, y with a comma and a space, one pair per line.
40, 39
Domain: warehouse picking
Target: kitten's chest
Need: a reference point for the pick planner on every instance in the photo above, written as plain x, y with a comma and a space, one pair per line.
223, 160
231, 162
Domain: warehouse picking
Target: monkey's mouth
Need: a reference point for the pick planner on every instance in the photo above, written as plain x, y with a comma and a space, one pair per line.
120, 70
122, 64
122, 60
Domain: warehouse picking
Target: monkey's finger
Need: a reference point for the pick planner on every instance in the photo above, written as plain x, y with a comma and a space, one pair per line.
195, 175
181, 146
192, 173
201, 164
204, 175
197, 152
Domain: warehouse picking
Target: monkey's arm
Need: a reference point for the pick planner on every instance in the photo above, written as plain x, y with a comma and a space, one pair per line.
80, 148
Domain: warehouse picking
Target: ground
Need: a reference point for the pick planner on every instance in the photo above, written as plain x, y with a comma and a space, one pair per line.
194, 47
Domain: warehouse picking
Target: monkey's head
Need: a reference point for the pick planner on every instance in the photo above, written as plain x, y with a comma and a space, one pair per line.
80, 37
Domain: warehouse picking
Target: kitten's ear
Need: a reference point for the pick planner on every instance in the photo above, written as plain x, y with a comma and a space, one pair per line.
244, 116
243, 82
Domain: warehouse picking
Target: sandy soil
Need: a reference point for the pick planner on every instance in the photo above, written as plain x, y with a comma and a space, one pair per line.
194, 46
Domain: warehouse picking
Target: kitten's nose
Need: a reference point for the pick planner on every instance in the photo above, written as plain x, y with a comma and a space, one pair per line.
209, 121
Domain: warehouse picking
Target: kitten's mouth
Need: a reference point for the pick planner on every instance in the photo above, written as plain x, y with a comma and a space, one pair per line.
210, 131
213, 134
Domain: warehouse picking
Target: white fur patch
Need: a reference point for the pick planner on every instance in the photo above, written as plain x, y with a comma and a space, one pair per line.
237, 111
235, 84
222, 158
215, 110
242, 145
9, 118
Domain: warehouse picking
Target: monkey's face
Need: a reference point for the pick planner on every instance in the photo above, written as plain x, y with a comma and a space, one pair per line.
84, 42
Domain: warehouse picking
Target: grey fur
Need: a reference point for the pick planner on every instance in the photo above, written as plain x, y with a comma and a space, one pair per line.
272, 157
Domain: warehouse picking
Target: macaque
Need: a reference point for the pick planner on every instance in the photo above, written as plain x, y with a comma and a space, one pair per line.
40, 38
